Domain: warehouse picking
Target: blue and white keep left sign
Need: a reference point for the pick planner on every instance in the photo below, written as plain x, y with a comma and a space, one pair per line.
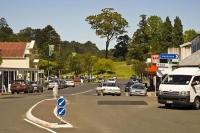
61, 102
61, 111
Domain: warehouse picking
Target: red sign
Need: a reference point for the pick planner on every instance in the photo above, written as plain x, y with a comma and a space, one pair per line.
155, 59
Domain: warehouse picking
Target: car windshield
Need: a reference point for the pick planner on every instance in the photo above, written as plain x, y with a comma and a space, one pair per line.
177, 79
111, 85
111, 79
138, 86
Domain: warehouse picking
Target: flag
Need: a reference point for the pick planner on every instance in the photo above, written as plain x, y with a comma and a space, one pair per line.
51, 49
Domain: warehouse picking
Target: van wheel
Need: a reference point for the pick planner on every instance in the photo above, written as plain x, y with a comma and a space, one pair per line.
196, 103
168, 106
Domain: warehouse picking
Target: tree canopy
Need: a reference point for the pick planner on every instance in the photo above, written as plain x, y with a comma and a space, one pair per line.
108, 24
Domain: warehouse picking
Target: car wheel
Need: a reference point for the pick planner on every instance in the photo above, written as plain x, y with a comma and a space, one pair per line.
130, 95
12, 92
196, 103
17, 92
168, 106
119, 95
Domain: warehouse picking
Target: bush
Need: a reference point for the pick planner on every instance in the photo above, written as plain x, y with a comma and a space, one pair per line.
129, 62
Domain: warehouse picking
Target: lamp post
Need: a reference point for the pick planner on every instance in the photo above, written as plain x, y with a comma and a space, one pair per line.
49, 49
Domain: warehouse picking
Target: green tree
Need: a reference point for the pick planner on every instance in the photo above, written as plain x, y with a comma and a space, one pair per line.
27, 34
103, 65
139, 67
121, 49
178, 38
167, 35
48, 36
189, 34
89, 62
139, 46
108, 24
6, 33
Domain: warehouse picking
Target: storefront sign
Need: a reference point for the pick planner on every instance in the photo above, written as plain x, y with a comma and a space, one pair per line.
155, 59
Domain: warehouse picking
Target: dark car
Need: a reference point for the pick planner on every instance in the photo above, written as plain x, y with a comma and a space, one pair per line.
21, 86
36, 86
129, 85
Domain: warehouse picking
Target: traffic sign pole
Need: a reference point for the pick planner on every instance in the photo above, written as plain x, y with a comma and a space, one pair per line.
61, 111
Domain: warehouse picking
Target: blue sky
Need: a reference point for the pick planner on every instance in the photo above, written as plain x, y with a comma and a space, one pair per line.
67, 17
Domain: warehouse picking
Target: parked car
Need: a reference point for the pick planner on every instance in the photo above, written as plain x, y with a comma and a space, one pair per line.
69, 82
63, 85
138, 89
21, 86
129, 85
100, 87
108, 89
77, 79
53, 83
100, 80
36, 86
111, 80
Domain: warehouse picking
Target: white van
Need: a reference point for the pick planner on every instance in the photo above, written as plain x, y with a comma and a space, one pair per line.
181, 87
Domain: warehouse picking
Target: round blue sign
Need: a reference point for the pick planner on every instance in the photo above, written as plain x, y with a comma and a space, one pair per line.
61, 111
61, 102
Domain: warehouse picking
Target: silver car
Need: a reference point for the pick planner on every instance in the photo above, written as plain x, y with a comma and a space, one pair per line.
138, 89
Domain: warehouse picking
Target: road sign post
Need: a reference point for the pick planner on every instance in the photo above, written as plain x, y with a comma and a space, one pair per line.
169, 56
61, 111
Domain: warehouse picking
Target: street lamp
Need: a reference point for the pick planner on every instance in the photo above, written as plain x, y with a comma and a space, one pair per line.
50, 51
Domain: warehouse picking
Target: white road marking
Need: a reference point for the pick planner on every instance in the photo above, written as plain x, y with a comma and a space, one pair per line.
126, 93
81, 92
40, 126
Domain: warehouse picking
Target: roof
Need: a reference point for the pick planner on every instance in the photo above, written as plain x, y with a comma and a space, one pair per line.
13, 49
185, 71
185, 44
195, 37
192, 59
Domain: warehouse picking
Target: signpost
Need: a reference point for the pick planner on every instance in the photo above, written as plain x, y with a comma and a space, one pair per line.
61, 111
162, 64
169, 56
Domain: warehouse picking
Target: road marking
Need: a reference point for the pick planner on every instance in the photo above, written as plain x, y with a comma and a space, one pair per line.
39, 126
81, 92
127, 94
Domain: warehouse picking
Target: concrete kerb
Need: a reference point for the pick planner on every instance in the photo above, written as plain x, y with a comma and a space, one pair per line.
44, 123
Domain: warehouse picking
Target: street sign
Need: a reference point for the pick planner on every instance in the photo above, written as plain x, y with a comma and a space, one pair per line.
61, 111
61, 102
162, 64
169, 56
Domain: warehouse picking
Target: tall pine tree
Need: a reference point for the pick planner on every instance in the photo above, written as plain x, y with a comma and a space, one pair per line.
178, 38
139, 46
167, 35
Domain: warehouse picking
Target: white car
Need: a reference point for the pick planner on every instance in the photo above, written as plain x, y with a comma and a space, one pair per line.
108, 89
70, 82
111, 80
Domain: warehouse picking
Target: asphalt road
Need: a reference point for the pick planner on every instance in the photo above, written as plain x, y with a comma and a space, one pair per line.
89, 113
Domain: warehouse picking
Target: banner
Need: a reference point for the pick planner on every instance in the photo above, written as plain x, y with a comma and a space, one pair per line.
51, 49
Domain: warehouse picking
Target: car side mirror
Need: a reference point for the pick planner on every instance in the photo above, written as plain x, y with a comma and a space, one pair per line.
194, 83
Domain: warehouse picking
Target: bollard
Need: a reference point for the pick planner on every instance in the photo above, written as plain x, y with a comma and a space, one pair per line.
55, 91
